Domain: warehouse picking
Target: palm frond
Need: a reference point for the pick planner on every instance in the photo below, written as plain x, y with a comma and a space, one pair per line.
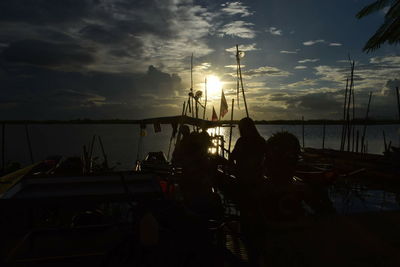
389, 32
394, 11
371, 8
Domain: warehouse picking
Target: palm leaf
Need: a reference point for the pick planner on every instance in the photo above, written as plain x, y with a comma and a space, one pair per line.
388, 32
371, 8
394, 11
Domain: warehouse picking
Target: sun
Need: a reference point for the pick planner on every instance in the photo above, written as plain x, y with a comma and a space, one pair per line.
214, 85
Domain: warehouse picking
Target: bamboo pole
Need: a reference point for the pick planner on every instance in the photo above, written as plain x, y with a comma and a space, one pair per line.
384, 140
353, 122
365, 121
348, 107
323, 135
92, 147
302, 129
29, 143
398, 100
357, 139
231, 126
344, 117
241, 80
3, 149
205, 95
103, 152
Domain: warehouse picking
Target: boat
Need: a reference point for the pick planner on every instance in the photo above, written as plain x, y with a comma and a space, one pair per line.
66, 211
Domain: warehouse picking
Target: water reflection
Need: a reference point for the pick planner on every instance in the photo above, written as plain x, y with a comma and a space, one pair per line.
356, 197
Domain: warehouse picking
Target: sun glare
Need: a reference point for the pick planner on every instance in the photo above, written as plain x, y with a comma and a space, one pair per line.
214, 85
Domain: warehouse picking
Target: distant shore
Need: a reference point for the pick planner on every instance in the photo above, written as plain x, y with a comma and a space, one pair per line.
261, 122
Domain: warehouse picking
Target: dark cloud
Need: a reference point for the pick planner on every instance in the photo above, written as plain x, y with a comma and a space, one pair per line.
35, 92
44, 53
390, 87
44, 11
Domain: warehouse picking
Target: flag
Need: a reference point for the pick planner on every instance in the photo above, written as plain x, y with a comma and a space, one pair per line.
224, 106
214, 116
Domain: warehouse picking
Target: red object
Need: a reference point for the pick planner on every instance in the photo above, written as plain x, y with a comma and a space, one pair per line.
163, 185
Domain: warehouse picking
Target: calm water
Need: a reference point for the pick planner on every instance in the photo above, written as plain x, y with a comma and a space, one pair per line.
121, 142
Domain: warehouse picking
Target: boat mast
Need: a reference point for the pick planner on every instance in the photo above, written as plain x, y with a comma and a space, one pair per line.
240, 77
205, 95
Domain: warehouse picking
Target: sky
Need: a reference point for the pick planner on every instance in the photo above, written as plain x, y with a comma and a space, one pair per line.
130, 59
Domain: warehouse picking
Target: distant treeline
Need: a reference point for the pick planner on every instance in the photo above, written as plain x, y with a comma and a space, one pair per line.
272, 122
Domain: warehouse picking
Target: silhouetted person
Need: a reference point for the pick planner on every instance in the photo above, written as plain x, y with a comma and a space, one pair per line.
283, 195
182, 145
247, 159
196, 182
248, 154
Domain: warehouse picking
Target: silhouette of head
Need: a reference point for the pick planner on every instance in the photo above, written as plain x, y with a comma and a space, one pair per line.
282, 154
247, 128
185, 130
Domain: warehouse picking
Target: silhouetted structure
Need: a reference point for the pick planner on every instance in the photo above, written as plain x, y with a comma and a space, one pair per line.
247, 159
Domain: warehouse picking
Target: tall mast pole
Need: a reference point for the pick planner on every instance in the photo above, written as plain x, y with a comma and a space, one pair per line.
191, 84
240, 77
343, 140
205, 95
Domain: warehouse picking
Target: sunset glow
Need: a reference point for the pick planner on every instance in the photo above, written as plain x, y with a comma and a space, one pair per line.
214, 86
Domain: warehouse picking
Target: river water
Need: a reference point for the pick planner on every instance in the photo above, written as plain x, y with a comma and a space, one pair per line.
122, 142
123, 145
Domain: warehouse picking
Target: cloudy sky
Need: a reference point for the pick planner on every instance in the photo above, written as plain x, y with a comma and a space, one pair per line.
130, 59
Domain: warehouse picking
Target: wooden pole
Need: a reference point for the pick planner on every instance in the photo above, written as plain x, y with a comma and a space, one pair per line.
365, 121
91, 148
183, 108
398, 100
353, 123
357, 141
29, 143
302, 127
241, 80
384, 140
231, 126
103, 152
323, 135
3, 149
344, 117
348, 107
191, 85
205, 95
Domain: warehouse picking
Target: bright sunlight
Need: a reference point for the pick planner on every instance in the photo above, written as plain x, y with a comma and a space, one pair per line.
214, 86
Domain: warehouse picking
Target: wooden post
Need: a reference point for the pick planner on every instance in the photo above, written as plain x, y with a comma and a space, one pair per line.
398, 100
384, 140
91, 148
29, 143
344, 117
241, 80
3, 148
353, 122
323, 135
205, 103
302, 119
365, 121
103, 152
357, 141
231, 126
349, 126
